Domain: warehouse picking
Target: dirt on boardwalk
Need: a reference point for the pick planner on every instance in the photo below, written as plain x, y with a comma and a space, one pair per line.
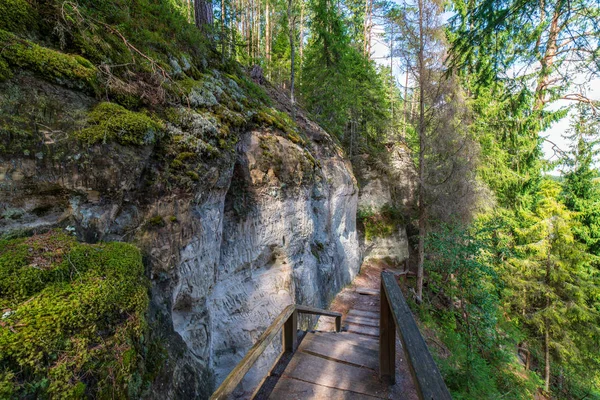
350, 298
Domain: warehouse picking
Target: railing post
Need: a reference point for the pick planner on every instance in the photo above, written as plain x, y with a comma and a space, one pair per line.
387, 339
290, 333
338, 323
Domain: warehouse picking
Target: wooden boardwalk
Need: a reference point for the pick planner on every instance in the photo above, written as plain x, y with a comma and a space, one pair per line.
344, 365
348, 355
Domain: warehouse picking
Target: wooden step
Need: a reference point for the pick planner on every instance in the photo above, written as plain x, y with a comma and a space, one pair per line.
294, 389
372, 307
362, 329
367, 291
362, 321
361, 313
339, 349
367, 342
325, 372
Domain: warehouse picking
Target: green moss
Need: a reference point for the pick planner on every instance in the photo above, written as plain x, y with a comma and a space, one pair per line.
176, 164
231, 118
111, 122
279, 120
74, 318
130, 101
193, 175
295, 138
256, 94
380, 224
186, 155
17, 16
50, 64
156, 221
5, 71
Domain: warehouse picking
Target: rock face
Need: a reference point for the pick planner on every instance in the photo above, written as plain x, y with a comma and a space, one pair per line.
265, 243
267, 222
387, 190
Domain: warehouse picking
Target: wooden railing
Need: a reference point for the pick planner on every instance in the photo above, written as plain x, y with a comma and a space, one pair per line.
396, 317
288, 320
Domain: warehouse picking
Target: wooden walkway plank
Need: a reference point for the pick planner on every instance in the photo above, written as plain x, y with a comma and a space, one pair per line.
341, 350
346, 365
362, 321
367, 291
359, 313
294, 389
321, 371
367, 342
363, 330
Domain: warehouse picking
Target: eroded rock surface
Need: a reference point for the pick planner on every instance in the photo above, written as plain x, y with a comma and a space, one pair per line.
266, 219
387, 192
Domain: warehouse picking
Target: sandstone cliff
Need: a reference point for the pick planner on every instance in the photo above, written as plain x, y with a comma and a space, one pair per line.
238, 210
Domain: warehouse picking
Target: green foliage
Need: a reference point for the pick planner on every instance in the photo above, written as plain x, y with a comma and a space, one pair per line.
342, 89
580, 184
74, 322
17, 16
109, 122
383, 223
68, 70
550, 286
459, 272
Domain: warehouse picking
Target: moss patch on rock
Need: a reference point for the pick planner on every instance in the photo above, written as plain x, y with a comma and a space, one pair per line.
73, 320
65, 69
17, 16
379, 224
111, 122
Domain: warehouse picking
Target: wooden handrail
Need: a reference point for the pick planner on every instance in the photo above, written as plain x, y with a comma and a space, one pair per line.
318, 311
396, 317
288, 320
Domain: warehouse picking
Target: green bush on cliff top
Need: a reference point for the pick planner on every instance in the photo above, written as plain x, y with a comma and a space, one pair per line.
73, 319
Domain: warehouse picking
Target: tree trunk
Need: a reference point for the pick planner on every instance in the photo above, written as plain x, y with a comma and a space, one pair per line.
546, 358
405, 104
421, 60
392, 79
234, 28
268, 35
547, 329
291, 23
548, 59
367, 28
223, 44
301, 32
370, 29
257, 30
203, 13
